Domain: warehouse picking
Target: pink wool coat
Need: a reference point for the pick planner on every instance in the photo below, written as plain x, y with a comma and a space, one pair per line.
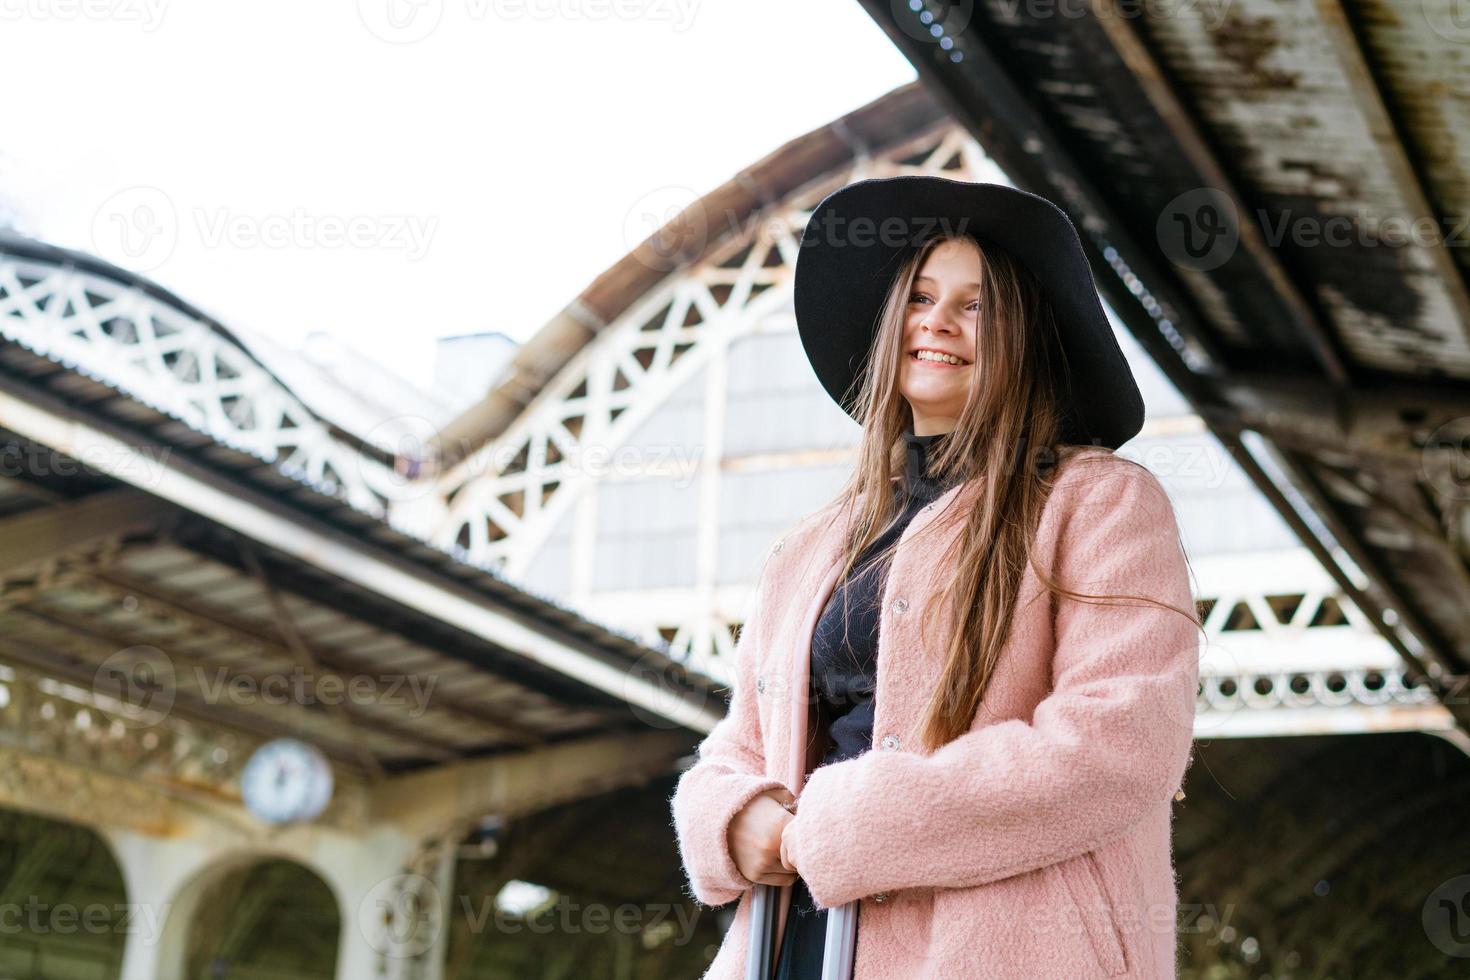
1037, 845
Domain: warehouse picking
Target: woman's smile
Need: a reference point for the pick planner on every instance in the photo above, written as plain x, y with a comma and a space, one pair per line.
937, 359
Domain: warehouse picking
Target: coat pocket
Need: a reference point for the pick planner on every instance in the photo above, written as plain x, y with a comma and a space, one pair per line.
1084, 880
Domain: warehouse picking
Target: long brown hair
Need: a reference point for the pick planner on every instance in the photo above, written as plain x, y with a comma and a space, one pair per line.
1011, 435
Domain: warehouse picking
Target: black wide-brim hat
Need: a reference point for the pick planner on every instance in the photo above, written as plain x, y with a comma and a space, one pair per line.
858, 237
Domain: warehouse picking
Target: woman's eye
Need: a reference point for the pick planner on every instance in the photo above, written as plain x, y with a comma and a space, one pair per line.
916, 297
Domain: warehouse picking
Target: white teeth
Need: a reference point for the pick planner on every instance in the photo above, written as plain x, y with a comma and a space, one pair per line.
929, 355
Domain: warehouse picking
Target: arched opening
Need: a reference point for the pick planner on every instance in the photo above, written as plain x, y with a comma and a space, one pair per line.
264, 920
1320, 856
63, 902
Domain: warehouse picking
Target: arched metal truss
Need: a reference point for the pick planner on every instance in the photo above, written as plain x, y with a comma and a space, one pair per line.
151, 345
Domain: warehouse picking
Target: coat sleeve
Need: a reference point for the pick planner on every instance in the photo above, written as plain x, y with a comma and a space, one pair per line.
1108, 746
729, 773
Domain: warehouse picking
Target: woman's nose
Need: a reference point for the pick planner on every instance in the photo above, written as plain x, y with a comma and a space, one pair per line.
940, 319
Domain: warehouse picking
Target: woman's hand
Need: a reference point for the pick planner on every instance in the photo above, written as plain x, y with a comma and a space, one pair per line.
755, 838
788, 856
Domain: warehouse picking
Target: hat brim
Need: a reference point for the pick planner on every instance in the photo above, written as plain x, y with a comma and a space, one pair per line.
858, 237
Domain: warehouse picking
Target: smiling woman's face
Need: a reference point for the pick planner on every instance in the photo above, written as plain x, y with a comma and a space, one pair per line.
940, 319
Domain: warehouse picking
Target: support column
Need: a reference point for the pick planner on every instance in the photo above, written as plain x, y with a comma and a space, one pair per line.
158, 872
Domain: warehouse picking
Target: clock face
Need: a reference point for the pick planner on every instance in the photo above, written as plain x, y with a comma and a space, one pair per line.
286, 781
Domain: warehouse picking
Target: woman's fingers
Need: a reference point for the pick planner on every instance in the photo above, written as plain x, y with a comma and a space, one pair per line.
755, 836
775, 878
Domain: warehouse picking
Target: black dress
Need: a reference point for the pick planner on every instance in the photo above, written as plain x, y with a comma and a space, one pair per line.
843, 678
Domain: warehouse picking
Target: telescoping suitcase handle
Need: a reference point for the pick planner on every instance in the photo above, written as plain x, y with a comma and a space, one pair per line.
759, 961
837, 951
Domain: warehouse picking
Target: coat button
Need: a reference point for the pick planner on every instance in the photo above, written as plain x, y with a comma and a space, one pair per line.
760, 683
780, 543
890, 742
881, 897
1179, 795
901, 604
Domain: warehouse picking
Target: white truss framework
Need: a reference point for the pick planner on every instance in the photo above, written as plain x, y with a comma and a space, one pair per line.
170, 359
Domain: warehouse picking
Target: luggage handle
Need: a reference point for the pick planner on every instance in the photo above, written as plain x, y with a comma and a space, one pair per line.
837, 950
759, 961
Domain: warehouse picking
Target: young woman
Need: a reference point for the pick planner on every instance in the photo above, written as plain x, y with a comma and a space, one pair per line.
1031, 738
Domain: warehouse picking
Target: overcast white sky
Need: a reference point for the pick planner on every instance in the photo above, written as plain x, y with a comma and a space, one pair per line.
395, 170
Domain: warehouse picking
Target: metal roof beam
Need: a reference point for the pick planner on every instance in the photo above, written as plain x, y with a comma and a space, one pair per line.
1191, 143
190, 486
1391, 140
425, 804
46, 532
